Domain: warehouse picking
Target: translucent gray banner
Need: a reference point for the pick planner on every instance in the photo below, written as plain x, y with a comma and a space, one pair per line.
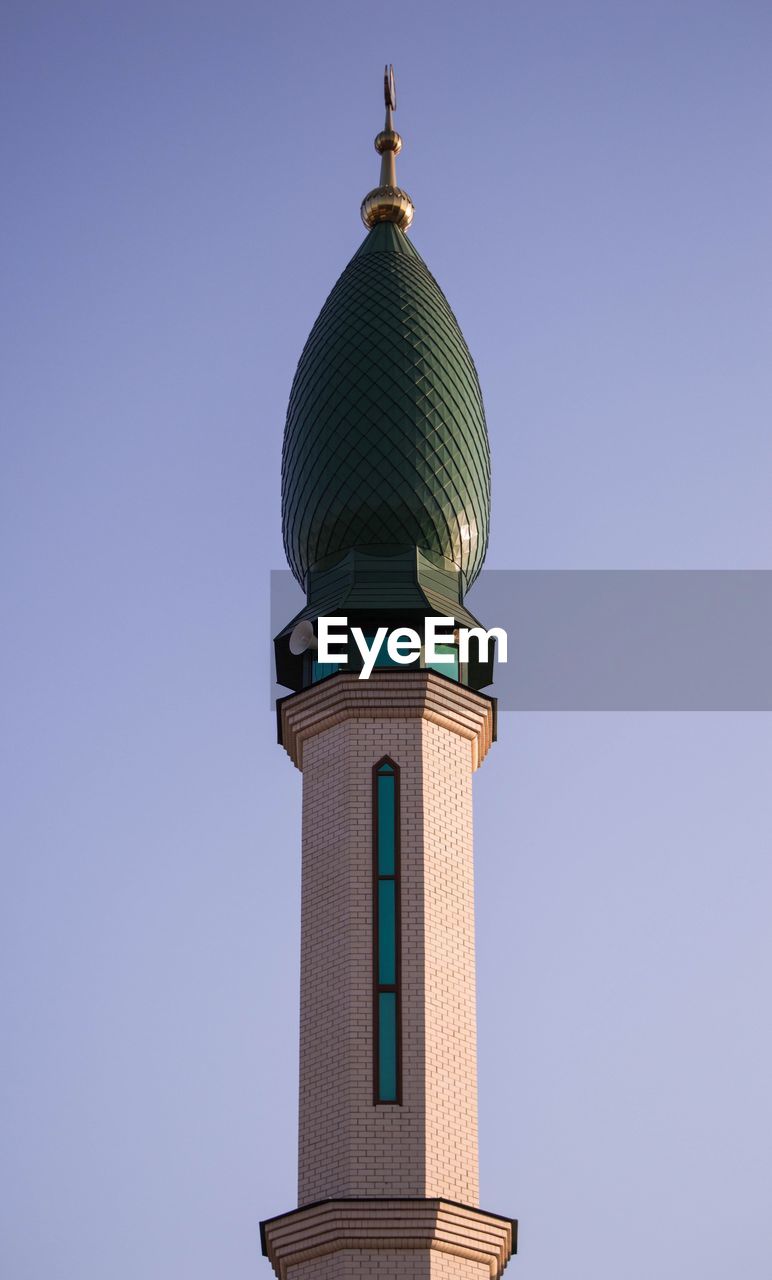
618, 640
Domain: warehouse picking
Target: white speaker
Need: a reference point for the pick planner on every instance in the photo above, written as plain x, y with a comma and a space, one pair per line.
302, 638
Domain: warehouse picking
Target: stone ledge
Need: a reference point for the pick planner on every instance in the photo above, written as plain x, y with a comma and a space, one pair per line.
388, 1224
387, 695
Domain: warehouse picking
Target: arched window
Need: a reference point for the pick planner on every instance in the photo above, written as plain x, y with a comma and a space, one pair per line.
386, 930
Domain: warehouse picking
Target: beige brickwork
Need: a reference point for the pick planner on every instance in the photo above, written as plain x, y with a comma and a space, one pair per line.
348, 1146
428, 1145
354, 1264
426, 1148
443, 1266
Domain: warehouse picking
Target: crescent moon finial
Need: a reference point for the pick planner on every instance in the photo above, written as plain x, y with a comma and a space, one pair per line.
389, 88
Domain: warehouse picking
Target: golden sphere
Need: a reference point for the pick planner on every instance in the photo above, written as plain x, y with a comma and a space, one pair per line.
387, 204
388, 140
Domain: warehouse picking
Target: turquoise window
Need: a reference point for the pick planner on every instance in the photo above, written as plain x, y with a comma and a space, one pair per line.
386, 961
386, 834
387, 1046
384, 659
321, 669
387, 933
445, 668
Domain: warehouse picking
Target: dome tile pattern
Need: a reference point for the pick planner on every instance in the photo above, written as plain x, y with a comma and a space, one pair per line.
385, 443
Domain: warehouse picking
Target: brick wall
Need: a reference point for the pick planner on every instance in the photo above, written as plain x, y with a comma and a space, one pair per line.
352, 1264
427, 1146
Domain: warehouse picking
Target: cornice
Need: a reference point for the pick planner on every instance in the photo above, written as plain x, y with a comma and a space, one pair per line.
387, 695
391, 1225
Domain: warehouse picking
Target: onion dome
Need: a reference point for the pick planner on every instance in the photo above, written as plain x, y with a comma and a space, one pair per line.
385, 469
385, 446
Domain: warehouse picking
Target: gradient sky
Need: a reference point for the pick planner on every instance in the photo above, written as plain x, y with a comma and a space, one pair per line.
181, 190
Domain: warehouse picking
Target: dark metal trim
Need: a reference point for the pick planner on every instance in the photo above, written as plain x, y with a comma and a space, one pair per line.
378, 987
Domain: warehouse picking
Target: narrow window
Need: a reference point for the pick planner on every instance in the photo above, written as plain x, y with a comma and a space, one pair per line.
386, 957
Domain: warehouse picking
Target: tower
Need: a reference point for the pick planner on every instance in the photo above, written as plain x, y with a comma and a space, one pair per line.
385, 508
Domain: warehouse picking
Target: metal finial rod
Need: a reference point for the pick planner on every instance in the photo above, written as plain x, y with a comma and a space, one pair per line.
391, 141
387, 203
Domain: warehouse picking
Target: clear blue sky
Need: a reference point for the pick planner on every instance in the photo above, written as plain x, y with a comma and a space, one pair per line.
181, 190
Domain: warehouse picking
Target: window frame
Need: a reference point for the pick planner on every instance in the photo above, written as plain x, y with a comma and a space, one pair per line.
379, 987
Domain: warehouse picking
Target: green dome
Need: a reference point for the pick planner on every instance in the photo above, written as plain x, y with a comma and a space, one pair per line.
385, 445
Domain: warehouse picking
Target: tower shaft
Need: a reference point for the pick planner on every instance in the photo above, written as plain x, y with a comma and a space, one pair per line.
350, 1144
389, 1180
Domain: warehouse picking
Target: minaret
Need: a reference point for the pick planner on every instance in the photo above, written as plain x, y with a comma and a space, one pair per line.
385, 508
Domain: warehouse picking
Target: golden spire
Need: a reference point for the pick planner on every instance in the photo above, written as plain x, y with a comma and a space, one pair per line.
387, 203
